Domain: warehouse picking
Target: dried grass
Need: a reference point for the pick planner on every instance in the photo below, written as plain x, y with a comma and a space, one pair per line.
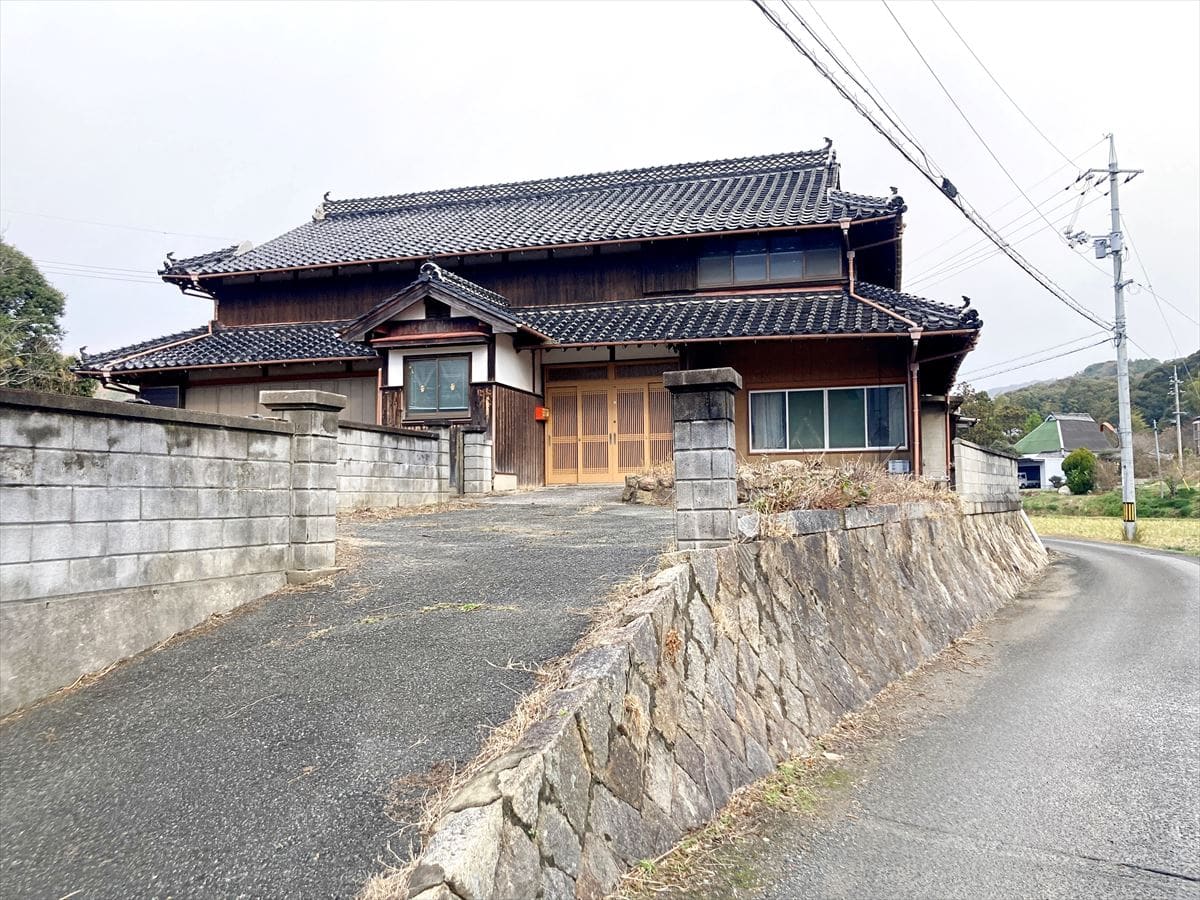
387, 513
776, 487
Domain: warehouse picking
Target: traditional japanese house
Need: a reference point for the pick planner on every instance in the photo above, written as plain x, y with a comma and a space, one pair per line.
545, 312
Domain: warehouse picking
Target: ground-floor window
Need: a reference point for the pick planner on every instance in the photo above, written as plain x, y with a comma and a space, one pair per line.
435, 385
854, 418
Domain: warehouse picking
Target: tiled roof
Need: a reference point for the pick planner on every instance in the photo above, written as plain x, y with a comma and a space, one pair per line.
780, 314
240, 345
465, 289
784, 189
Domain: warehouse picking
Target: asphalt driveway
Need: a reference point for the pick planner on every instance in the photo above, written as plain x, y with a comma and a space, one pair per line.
279, 754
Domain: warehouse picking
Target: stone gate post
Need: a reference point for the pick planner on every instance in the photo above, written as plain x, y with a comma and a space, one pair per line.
705, 456
314, 416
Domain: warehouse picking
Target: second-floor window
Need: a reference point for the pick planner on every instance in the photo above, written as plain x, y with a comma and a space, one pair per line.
435, 385
766, 260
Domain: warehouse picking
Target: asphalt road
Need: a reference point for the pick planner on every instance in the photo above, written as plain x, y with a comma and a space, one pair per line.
283, 752
1068, 767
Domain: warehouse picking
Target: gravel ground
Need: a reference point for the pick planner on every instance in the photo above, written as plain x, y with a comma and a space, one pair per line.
280, 753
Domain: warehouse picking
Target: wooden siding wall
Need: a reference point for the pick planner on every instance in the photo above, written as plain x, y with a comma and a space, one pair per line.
517, 437
660, 267
807, 363
242, 399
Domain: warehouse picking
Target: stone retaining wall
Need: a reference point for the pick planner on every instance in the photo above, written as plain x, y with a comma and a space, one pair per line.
732, 660
385, 467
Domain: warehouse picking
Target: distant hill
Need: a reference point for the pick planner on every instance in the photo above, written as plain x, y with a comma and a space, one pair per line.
1094, 391
1109, 368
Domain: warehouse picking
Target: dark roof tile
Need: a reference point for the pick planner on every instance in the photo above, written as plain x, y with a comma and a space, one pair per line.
781, 314
242, 345
784, 189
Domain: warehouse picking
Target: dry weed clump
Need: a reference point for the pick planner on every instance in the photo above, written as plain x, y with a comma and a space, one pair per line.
774, 487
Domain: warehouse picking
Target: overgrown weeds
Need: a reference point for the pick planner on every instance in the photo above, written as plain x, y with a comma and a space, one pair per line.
775, 487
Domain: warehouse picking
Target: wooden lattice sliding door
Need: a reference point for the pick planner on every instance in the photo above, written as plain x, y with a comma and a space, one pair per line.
604, 429
595, 436
563, 453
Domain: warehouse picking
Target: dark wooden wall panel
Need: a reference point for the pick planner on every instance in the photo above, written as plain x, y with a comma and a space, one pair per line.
517, 437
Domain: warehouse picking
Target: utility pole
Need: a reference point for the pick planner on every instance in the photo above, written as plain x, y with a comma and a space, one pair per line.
1114, 245
1158, 460
1178, 420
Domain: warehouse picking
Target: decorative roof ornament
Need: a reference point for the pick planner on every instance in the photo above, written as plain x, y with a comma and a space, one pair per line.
319, 212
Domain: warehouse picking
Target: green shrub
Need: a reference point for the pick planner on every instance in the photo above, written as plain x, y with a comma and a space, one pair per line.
1080, 469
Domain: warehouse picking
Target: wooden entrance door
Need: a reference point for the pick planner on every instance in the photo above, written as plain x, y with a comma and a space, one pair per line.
602, 431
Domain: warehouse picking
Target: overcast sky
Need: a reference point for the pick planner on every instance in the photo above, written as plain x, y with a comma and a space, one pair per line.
183, 127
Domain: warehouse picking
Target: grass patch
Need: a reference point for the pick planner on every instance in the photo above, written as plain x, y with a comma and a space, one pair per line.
1185, 504
796, 787
1182, 535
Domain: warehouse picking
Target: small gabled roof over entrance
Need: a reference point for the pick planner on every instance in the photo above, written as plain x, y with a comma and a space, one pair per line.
461, 295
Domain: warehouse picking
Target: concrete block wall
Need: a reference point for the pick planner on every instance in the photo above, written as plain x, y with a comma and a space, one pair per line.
984, 479
702, 408
477, 462
379, 467
123, 524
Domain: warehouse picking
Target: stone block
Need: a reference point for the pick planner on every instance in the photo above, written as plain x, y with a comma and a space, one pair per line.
69, 540
15, 543
16, 466
19, 505
693, 465
702, 406
170, 503
712, 434
718, 494
463, 852
35, 428
518, 869
68, 467
559, 843
307, 557
137, 537
34, 580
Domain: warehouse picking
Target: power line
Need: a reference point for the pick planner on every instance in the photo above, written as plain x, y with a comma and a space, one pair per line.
1016, 105
91, 266
942, 183
207, 237
1044, 359
1010, 202
1004, 362
886, 107
101, 277
965, 118
972, 254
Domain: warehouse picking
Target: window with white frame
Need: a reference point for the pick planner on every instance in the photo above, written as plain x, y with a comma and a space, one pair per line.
436, 385
853, 418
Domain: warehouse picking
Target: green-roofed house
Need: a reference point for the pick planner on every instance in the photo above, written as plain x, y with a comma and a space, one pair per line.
1043, 449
